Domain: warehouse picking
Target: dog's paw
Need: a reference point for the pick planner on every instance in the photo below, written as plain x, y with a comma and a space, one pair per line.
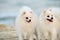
46, 39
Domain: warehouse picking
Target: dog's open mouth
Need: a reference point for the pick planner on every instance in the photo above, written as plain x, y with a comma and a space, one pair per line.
28, 21
50, 20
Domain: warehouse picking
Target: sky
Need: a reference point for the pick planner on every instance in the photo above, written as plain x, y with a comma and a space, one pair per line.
13, 5
9, 8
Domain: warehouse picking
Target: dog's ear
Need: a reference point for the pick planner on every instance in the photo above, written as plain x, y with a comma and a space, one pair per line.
50, 9
31, 12
44, 11
23, 13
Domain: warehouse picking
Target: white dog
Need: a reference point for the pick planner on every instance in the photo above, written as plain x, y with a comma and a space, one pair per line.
49, 23
26, 23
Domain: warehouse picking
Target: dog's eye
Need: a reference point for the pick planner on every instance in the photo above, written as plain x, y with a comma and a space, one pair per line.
48, 16
26, 17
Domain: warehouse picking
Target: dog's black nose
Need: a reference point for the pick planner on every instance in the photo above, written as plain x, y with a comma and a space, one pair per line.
29, 20
51, 17
26, 17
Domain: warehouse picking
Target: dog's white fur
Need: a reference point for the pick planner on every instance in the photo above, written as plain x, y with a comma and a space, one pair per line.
26, 30
49, 28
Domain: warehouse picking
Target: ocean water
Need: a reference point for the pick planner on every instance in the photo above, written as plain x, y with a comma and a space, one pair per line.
9, 8
7, 19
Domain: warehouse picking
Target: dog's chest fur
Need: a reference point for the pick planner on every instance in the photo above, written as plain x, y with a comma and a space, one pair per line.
27, 27
49, 26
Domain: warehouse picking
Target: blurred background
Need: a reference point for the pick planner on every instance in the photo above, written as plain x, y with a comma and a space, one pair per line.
9, 8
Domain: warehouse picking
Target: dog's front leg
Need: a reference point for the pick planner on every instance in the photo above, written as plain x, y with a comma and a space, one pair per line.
54, 34
46, 36
20, 37
31, 37
38, 33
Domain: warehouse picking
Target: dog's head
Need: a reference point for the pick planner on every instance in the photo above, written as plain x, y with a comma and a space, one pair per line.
48, 15
27, 16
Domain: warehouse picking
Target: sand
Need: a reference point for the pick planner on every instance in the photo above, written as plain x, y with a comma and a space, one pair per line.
8, 32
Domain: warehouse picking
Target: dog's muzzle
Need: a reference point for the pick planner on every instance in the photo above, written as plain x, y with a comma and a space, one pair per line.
50, 20
28, 21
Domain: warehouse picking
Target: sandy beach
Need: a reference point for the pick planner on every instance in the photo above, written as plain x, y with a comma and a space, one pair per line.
7, 32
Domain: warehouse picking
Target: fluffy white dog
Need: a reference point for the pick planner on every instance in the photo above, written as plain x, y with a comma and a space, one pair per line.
49, 23
26, 23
